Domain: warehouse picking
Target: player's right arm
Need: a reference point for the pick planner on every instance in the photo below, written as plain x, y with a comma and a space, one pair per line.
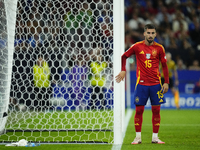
127, 54
120, 77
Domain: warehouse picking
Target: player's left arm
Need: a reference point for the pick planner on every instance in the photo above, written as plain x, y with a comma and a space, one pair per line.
163, 60
165, 86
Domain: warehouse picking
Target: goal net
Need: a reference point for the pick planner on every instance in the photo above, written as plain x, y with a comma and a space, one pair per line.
62, 71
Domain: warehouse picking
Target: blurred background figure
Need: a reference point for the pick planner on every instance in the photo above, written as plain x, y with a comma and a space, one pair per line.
196, 89
98, 79
79, 72
173, 76
181, 65
42, 83
194, 66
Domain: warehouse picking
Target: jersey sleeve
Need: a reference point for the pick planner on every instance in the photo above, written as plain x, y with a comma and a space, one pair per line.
165, 72
164, 65
162, 55
127, 54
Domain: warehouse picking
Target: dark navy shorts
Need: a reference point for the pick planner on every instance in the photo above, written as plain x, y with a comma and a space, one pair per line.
143, 93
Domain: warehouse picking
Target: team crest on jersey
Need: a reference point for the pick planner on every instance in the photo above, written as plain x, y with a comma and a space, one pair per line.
148, 56
154, 52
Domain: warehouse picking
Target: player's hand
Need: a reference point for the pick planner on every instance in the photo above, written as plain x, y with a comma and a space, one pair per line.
120, 76
165, 88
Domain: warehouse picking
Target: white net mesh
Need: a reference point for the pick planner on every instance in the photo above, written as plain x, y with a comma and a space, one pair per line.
62, 74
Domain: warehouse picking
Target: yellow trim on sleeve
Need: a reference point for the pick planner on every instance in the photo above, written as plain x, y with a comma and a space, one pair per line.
138, 79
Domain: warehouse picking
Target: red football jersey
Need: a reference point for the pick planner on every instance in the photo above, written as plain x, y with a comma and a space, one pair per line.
147, 58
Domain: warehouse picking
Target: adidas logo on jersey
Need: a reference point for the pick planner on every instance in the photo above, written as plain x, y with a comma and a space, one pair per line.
142, 52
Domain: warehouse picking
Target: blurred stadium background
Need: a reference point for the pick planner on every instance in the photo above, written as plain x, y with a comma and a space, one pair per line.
178, 30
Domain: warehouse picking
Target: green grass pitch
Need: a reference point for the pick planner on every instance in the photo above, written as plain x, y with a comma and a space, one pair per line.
180, 129
74, 126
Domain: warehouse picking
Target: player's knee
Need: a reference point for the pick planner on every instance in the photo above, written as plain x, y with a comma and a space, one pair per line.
139, 110
155, 109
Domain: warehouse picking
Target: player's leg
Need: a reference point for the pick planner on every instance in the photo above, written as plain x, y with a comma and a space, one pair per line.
156, 124
138, 123
140, 99
156, 98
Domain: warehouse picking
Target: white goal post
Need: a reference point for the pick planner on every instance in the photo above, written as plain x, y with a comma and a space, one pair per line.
58, 73
119, 89
8, 10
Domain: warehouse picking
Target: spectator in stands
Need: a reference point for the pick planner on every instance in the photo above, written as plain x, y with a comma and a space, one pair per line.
192, 15
98, 79
172, 5
42, 83
182, 36
130, 9
128, 40
34, 38
164, 15
79, 73
168, 38
195, 66
186, 52
195, 32
178, 18
168, 2
134, 22
196, 88
171, 45
148, 8
165, 24
181, 65
151, 19
187, 7
181, 33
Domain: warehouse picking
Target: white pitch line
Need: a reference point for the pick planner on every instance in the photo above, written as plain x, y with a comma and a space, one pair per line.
127, 118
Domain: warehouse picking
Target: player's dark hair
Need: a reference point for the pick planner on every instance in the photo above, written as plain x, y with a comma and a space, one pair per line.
149, 26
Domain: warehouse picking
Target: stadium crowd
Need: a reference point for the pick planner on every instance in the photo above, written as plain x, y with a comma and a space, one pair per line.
178, 27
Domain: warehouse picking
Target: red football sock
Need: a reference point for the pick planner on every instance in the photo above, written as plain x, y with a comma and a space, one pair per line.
155, 118
138, 117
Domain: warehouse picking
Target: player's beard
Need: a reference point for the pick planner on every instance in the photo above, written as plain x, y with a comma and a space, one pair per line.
150, 40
